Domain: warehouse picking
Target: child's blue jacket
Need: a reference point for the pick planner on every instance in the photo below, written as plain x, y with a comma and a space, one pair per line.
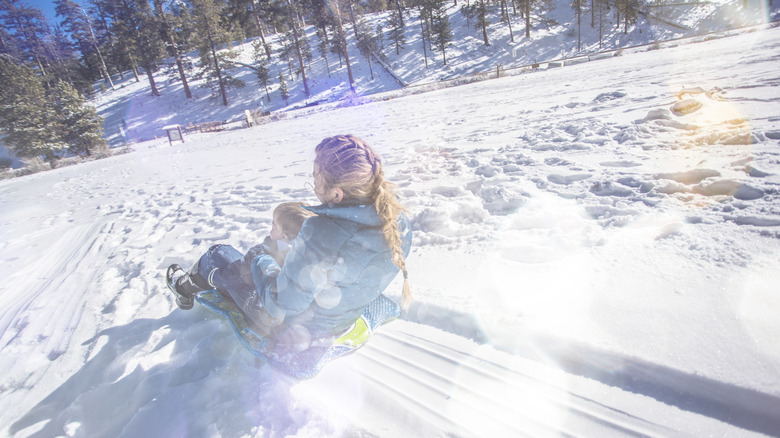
338, 264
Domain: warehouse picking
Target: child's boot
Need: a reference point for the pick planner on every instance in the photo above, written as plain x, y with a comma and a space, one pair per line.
182, 286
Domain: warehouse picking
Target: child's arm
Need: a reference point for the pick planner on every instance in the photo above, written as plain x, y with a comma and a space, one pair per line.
267, 247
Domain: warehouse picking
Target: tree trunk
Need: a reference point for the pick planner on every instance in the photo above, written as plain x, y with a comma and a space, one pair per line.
401, 12
152, 84
579, 24
346, 52
425, 52
259, 23
175, 51
528, 18
293, 20
509, 21
219, 74
625, 20
601, 23
134, 67
94, 42
483, 12
352, 17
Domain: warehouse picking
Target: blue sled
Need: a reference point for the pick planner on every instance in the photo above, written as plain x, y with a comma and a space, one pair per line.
307, 363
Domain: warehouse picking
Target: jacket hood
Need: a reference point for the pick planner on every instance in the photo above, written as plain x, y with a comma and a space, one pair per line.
362, 214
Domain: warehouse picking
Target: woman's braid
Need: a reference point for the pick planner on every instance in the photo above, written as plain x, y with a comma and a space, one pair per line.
388, 207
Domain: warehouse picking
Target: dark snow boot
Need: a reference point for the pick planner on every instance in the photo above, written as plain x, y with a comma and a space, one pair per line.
180, 283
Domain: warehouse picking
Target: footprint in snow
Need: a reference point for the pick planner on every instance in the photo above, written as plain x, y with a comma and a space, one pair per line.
567, 179
609, 189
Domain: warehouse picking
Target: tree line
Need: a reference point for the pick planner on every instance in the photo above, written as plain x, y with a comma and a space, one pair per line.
98, 39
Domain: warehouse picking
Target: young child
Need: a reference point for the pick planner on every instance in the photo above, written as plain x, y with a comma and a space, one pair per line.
288, 218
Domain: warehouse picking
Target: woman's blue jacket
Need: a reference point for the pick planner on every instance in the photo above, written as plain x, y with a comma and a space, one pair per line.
338, 264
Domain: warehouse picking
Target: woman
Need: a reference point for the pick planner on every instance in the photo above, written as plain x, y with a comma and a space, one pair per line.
342, 259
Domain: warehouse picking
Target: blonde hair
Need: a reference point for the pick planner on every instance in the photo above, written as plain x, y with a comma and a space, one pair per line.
348, 163
290, 217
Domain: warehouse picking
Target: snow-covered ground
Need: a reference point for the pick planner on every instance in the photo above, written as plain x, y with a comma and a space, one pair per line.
596, 253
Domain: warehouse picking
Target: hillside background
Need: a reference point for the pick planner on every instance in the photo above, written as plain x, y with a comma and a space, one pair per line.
133, 115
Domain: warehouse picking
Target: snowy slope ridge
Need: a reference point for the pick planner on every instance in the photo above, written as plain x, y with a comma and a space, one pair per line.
596, 253
144, 115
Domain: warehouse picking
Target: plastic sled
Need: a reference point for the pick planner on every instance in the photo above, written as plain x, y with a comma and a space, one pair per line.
309, 362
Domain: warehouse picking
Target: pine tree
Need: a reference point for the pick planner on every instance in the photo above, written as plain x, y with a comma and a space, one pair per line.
602, 5
210, 38
183, 25
292, 15
577, 6
286, 53
424, 33
482, 20
260, 13
165, 29
8, 44
342, 42
397, 30
526, 6
27, 121
77, 24
630, 9
261, 66
380, 37
283, 91
136, 24
323, 47
337, 47
105, 18
28, 28
506, 18
469, 11
442, 33
366, 43
80, 127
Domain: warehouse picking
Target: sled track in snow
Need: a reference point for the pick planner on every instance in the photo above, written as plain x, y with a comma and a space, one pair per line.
477, 398
461, 388
55, 294
742, 407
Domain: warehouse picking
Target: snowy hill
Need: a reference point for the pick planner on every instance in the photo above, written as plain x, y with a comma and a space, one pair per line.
596, 252
144, 115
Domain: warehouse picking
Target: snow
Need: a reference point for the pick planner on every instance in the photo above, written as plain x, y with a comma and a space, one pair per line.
590, 257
